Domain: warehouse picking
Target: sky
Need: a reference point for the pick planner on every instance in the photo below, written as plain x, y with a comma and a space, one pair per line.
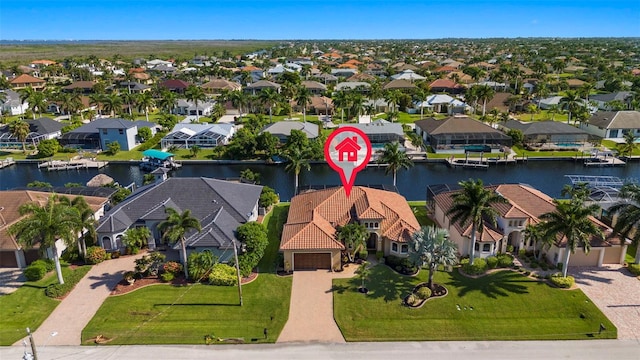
311, 19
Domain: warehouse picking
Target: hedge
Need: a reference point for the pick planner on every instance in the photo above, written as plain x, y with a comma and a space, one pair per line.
562, 282
478, 267
70, 281
223, 275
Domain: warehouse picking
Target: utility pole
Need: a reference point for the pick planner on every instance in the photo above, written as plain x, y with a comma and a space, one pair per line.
235, 255
33, 345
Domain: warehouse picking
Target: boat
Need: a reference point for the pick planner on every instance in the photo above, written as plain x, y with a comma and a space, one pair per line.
154, 159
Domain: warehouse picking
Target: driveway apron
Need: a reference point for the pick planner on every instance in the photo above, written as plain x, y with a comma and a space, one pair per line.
64, 325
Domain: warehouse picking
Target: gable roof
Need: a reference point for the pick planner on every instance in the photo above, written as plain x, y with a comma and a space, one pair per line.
313, 217
616, 119
222, 84
284, 128
399, 84
547, 127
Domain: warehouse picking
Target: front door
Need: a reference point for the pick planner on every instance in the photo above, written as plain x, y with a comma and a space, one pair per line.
371, 241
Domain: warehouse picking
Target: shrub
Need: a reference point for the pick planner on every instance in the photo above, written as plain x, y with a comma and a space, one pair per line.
167, 276
522, 252
35, 271
48, 264
223, 275
172, 267
70, 281
95, 255
544, 266
464, 261
478, 267
200, 264
510, 248
363, 254
253, 236
149, 264
562, 282
55, 290
526, 273
115, 254
423, 293
129, 275
413, 300
505, 260
379, 255
268, 197
492, 262
635, 269
534, 265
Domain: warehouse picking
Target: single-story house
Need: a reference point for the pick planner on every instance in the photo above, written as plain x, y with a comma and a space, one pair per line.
457, 133
131, 86
549, 102
256, 87
447, 86
525, 206
282, 129
612, 125
202, 135
12, 103
549, 132
360, 86
380, 131
603, 101
13, 254
215, 86
39, 129
407, 74
344, 73
443, 103
499, 101
314, 87
175, 85
309, 235
321, 105
220, 206
99, 133
399, 84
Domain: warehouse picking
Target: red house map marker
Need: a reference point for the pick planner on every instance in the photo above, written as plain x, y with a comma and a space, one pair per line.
347, 150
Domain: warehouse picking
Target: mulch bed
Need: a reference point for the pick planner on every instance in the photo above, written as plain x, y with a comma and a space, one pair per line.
123, 286
437, 292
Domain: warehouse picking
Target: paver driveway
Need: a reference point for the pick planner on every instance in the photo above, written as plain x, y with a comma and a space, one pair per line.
311, 309
616, 292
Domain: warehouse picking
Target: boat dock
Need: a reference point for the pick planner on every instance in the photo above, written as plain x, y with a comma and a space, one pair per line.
6, 162
600, 161
466, 163
72, 164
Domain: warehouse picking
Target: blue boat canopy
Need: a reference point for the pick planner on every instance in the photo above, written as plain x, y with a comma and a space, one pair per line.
157, 154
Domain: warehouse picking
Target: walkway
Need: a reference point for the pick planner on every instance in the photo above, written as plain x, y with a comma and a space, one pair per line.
616, 292
10, 280
77, 309
311, 309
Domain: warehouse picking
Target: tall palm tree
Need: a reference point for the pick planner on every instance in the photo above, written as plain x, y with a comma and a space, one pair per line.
97, 99
421, 95
45, 225
269, 97
86, 225
629, 145
303, 98
474, 204
175, 227
535, 233
195, 94
485, 93
112, 103
393, 98
431, 246
20, 129
571, 222
238, 100
145, 101
340, 100
571, 102
35, 99
297, 159
628, 215
395, 159
167, 100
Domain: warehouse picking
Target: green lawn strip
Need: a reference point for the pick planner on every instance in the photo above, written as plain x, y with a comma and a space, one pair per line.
630, 255
274, 221
419, 209
612, 145
147, 316
541, 115
556, 153
28, 307
506, 306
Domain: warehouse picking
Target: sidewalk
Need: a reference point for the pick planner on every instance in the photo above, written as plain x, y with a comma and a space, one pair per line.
76, 310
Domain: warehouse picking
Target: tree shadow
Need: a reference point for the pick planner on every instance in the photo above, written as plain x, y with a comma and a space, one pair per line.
106, 279
493, 285
386, 284
338, 288
198, 304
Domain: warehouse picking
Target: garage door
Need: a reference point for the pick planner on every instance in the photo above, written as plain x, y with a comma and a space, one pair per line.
580, 259
8, 259
312, 261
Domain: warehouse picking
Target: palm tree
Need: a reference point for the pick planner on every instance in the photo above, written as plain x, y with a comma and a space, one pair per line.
535, 233
629, 145
36, 100
430, 246
270, 97
340, 100
628, 215
303, 97
474, 203
571, 101
195, 94
297, 159
393, 97
485, 93
97, 99
167, 100
129, 99
145, 101
112, 103
45, 225
20, 129
238, 100
571, 221
421, 95
353, 236
175, 227
395, 159
86, 225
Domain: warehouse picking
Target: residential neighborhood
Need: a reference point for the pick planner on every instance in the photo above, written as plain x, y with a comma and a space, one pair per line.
213, 187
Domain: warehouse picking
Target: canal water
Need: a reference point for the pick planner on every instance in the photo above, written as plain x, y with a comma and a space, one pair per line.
547, 176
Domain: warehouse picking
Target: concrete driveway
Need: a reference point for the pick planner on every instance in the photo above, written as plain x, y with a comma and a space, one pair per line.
311, 308
10, 280
616, 292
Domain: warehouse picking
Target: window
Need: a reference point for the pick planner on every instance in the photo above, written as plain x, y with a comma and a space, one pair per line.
376, 225
121, 131
477, 247
486, 247
394, 247
104, 131
405, 248
510, 223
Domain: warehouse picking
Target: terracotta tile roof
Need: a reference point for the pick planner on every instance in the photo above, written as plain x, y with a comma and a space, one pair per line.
445, 83
10, 202
26, 79
361, 77
43, 62
314, 215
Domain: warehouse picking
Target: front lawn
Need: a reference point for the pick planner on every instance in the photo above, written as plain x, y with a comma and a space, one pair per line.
28, 307
506, 306
164, 314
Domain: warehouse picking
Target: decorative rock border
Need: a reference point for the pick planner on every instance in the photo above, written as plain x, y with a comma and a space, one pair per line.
415, 290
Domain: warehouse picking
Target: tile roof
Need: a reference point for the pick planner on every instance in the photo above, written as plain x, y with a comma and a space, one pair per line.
313, 216
445, 83
26, 79
399, 84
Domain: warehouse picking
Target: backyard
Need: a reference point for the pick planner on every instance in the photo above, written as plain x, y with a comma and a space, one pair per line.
165, 314
503, 305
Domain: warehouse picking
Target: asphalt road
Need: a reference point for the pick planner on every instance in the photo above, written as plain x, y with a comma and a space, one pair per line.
583, 350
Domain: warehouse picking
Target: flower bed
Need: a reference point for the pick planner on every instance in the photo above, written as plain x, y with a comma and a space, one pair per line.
413, 300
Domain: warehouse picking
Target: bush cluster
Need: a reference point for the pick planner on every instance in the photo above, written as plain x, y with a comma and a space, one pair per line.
635, 269
96, 255
223, 275
70, 281
505, 260
423, 293
35, 271
478, 267
562, 282
401, 265
492, 262
413, 300
172, 267
167, 276
155, 140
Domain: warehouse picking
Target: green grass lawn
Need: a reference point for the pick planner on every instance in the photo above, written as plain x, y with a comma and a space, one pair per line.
520, 151
274, 221
542, 115
164, 314
612, 145
631, 253
28, 307
420, 211
506, 306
